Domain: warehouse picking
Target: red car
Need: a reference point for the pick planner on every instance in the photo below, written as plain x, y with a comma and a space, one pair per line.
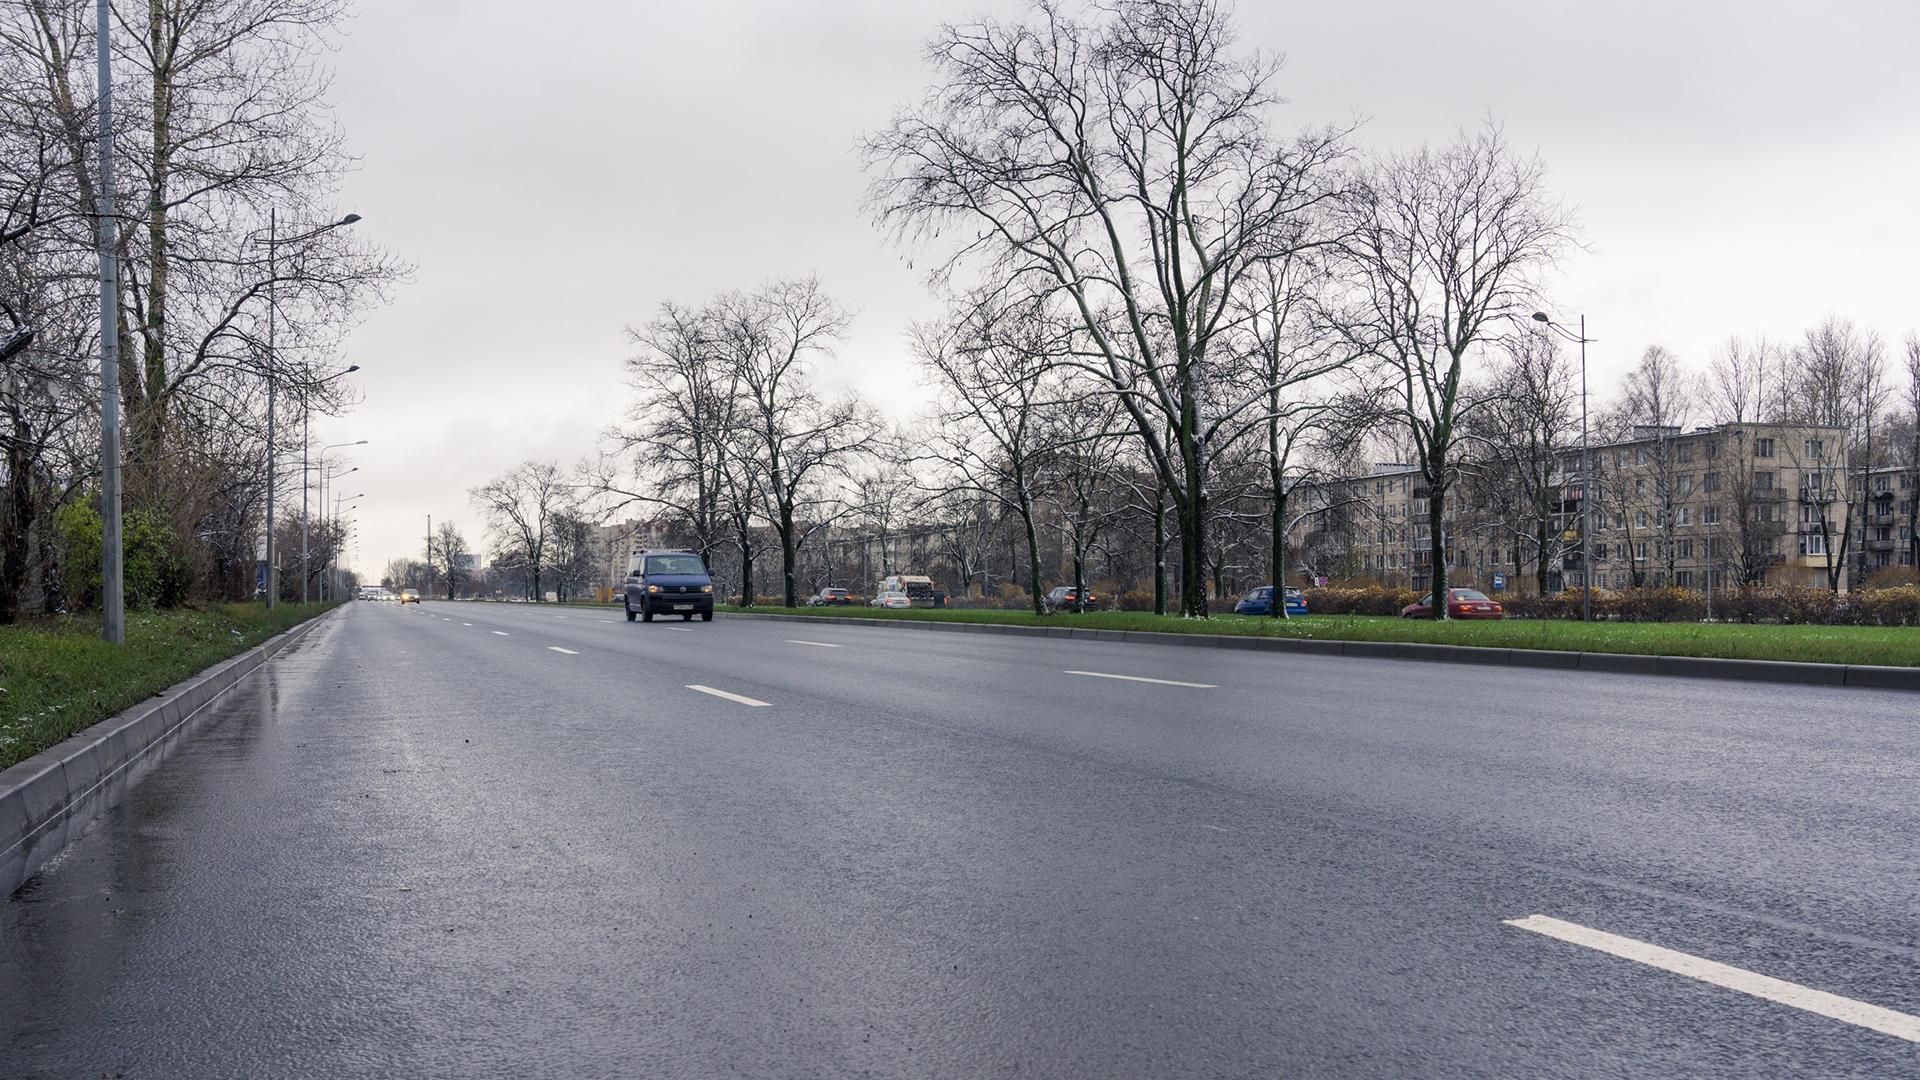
1461, 604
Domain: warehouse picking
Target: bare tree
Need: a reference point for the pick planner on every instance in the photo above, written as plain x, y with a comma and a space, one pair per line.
1123, 164
1657, 399
1528, 425
450, 548
993, 365
796, 440
1745, 383
520, 507
1839, 382
1446, 245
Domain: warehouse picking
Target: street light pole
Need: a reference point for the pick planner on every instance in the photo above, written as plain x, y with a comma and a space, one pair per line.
306, 440
273, 363
113, 597
1586, 468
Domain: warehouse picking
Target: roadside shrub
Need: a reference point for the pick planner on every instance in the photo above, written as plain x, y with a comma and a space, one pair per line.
1897, 606
1135, 600
1367, 601
1660, 604
154, 571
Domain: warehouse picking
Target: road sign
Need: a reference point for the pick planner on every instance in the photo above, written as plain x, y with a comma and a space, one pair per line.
1499, 582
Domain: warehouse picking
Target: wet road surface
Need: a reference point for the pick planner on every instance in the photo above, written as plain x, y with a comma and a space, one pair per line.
506, 840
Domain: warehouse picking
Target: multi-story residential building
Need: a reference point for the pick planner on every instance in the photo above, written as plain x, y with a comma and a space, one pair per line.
1886, 527
1713, 507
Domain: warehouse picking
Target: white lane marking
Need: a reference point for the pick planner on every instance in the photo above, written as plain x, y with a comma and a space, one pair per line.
724, 694
503, 633
682, 629
559, 616
470, 624
1142, 678
606, 620
815, 644
1846, 1010
557, 648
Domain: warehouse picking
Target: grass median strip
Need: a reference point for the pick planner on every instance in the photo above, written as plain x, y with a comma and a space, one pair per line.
1888, 646
57, 677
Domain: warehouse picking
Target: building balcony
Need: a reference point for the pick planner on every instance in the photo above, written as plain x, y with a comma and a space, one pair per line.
1881, 519
1882, 545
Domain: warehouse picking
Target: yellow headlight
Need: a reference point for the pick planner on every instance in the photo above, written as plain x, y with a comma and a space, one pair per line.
653, 588
706, 588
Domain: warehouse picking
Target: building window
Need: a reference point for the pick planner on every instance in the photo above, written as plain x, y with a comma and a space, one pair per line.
1763, 448
1883, 483
1813, 544
1683, 549
1683, 451
1710, 515
1683, 486
1713, 449
1640, 486
1683, 578
1639, 519
1640, 551
1763, 481
1711, 483
1814, 448
1683, 516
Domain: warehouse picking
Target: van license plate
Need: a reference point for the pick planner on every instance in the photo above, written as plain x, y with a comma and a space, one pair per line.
683, 607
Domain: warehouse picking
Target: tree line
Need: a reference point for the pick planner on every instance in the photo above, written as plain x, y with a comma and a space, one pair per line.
221, 123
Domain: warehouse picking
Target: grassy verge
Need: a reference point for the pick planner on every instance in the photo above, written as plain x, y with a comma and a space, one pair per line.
1886, 646
57, 677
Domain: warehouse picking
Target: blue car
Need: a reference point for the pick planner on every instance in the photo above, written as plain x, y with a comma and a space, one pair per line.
668, 583
1260, 602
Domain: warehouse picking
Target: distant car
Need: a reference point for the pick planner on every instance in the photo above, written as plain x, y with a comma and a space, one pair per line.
831, 598
1065, 598
668, 583
1461, 604
409, 596
1260, 602
891, 600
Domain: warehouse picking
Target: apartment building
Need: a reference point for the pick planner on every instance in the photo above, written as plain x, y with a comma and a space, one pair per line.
1711, 507
1886, 529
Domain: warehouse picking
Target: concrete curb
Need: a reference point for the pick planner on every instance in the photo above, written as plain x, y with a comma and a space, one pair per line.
49, 799
1699, 667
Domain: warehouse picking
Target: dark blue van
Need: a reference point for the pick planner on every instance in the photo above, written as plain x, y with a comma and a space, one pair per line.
668, 583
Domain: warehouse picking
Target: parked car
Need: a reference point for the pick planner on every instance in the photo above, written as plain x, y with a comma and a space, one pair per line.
831, 598
1260, 602
409, 596
1065, 598
668, 582
891, 600
1461, 604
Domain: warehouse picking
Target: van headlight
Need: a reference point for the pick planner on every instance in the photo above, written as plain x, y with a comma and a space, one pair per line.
706, 588
653, 588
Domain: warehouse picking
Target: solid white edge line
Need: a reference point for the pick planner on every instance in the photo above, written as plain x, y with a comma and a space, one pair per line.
569, 652
503, 633
815, 644
1143, 678
730, 697
1846, 1010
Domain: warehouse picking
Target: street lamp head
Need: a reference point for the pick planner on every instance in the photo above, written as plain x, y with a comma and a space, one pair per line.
1541, 316
351, 368
350, 219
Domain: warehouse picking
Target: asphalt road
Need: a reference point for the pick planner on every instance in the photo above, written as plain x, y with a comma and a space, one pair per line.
503, 840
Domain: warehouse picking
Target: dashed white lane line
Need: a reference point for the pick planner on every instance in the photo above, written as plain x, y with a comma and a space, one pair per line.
1143, 678
470, 624
682, 629
557, 648
815, 644
1846, 1010
503, 633
730, 697
559, 616
606, 620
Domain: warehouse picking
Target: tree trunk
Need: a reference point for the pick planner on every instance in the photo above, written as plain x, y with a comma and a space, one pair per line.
1193, 571
1159, 551
787, 556
1544, 557
1033, 556
152, 420
746, 568
1279, 567
18, 521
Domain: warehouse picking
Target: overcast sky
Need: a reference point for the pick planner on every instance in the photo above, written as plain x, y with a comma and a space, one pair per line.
556, 171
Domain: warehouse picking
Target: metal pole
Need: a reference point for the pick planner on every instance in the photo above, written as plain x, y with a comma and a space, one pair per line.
273, 307
113, 597
306, 437
1586, 489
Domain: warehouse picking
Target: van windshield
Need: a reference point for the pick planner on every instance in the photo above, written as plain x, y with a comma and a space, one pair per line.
675, 564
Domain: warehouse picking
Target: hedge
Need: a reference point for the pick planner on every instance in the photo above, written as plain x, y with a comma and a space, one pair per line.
1897, 606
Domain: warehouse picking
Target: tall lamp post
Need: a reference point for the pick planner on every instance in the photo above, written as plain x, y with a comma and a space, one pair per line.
1586, 465
327, 475
306, 440
113, 611
333, 554
273, 242
306, 571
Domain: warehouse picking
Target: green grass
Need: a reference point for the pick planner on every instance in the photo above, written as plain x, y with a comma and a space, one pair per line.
57, 677
1879, 645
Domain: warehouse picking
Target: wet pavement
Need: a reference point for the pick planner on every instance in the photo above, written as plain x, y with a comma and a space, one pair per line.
493, 840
